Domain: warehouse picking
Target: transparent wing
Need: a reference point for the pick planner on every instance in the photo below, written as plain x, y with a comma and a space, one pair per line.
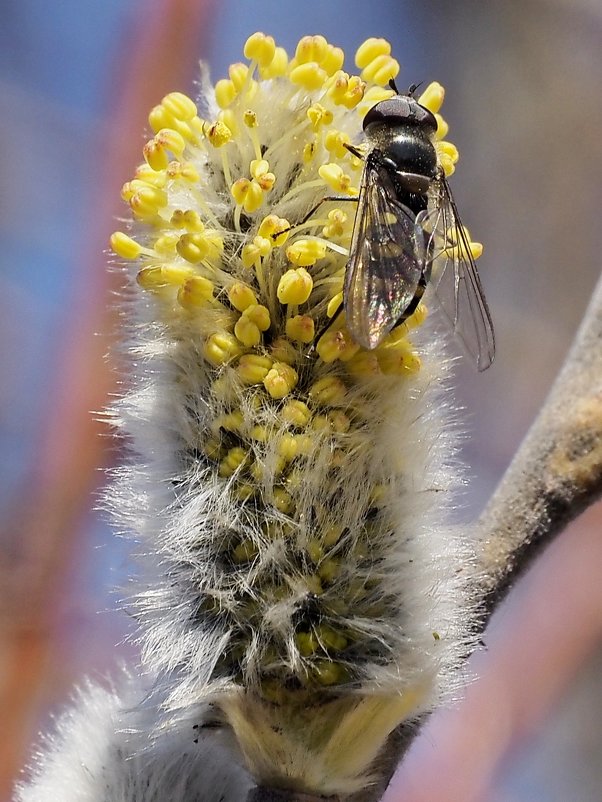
454, 276
386, 260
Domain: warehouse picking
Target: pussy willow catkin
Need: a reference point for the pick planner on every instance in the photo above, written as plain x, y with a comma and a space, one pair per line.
290, 489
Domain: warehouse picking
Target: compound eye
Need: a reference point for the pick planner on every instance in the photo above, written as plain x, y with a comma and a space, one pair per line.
400, 110
373, 115
393, 111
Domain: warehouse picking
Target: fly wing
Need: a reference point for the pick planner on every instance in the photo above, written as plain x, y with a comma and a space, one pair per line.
455, 278
386, 260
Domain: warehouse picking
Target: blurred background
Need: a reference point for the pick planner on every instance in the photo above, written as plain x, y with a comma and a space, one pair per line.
77, 80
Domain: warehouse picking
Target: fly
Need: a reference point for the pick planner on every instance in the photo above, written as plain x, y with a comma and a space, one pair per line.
408, 235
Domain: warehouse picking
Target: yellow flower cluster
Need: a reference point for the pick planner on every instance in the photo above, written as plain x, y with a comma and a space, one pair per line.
230, 260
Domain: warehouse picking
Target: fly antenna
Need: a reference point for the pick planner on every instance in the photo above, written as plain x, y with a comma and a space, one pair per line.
393, 86
413, 88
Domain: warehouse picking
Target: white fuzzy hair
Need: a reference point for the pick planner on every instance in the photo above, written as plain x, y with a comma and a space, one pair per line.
402, 440
386, 601
409, 446
100, 752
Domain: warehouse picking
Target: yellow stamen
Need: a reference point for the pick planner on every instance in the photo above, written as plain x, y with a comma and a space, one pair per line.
306, 252
283, 501
300, 328
346, 90
334, 304
369, 50
260, 170
432, 97
171, 140
147, 201
319, 116
442, 127
246, 550
163, 275
335, 142
332, 60
232, 462
238, 74
288, 447
451, 151
230, 119
260, 48
165, 245
311, 48
339, 422
159, 117
259, 314
247, 332
218, 134
336, 179
155, 155
146, 173
320, 423
260, 433
247, 194
253, 368
280, 380
398, 359
230, 422
381, 70
125, 246
476, 249
275, 229
195, 292
282, 350
221, 348
180, 105
336, 344
188, 219
225, 93
296, 413
295, 286
309, 151
329, 391
364, 365
193, 247
254, 251
310, 76
241, 296
277, 67
307, 643
336, 225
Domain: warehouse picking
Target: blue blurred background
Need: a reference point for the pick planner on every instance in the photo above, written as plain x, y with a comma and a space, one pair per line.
523, 104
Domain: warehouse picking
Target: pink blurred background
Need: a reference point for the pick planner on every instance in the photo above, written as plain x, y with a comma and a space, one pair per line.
523, 105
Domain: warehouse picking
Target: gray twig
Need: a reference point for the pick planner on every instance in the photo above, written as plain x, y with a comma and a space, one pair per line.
557, 471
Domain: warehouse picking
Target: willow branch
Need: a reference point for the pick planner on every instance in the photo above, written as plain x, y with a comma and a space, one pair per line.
557, 472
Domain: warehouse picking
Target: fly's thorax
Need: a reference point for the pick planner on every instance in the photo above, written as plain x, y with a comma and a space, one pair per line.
407, 150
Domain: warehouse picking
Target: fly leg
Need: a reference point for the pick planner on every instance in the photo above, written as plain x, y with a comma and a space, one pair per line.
313, 210
328, 199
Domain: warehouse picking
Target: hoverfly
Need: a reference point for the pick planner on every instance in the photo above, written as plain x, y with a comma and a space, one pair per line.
407, 235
